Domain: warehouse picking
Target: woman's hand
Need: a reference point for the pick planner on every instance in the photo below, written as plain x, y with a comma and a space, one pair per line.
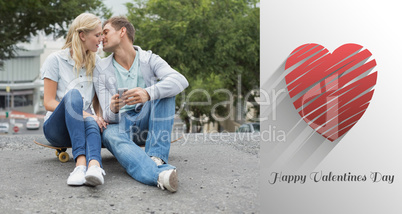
99, 120
101, 123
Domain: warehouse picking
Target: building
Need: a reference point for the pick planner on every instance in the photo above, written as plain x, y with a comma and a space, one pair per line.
19, 78
22, 75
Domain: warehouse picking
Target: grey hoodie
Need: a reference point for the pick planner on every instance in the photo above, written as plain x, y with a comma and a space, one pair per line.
161, 80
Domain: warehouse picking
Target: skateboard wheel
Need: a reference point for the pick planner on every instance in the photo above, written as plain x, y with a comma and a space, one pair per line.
64, 157
57, 153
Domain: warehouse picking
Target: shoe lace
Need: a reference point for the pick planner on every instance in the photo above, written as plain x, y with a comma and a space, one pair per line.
157, 160
103, 171
78, 169
159, 183
163, 180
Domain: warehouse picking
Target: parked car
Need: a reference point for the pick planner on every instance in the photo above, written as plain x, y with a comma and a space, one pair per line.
4, 127
32, 123
249, 127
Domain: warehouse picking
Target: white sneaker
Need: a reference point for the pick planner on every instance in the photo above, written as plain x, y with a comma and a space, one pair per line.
77, 177
94, 176
157, 160
168, 180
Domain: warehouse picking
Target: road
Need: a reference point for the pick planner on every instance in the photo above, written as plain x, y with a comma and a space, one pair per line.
217, 174
22, 128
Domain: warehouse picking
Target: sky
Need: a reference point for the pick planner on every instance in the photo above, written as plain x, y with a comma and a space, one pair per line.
117, 6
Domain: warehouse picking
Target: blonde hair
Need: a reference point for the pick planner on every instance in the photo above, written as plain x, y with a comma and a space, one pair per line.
85, 22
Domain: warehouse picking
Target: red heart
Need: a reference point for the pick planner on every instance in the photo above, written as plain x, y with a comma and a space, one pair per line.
331, 92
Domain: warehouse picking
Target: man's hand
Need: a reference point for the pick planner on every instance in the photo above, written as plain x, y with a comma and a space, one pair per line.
135, 95
116, 103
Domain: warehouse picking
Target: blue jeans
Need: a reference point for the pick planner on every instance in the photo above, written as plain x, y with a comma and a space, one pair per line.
151, 125
67, 127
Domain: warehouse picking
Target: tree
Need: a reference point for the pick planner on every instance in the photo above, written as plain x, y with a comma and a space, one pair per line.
204, 103
203, 37
19, 20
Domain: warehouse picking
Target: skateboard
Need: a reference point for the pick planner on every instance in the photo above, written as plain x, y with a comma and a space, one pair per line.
61, 152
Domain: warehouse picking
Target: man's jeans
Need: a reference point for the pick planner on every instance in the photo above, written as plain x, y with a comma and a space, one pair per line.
152, 126
67, 127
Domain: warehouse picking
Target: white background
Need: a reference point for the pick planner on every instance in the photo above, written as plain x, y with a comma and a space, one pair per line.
374, 143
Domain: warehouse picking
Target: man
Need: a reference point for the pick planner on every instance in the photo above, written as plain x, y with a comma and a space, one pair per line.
142, 114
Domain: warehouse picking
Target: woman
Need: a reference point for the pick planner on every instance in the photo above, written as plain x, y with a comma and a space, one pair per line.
68, 94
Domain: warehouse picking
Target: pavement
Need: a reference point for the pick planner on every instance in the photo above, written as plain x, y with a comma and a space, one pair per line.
218, 173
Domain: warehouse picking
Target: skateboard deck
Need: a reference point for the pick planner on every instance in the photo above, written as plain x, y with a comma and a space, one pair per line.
61, 152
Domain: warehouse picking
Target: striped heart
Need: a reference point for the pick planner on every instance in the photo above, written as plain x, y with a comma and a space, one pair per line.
331, 92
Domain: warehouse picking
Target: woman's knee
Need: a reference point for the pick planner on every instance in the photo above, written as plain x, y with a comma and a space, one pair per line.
74, 96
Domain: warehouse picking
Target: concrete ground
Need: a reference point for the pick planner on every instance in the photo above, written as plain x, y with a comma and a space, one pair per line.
218, 173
